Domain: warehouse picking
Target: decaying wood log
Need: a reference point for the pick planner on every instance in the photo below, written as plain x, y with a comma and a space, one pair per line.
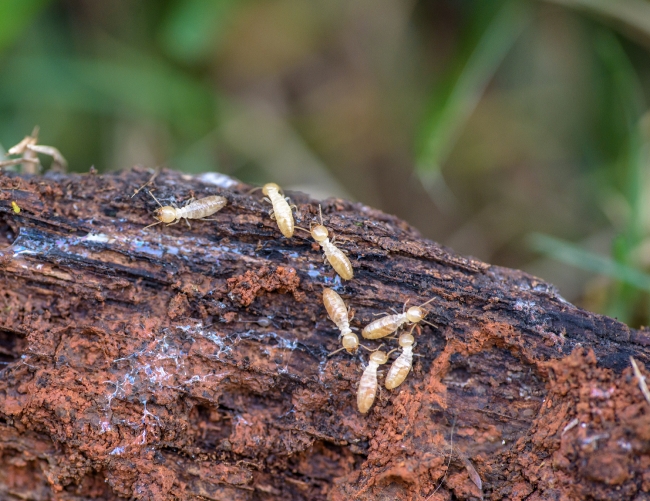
191, 363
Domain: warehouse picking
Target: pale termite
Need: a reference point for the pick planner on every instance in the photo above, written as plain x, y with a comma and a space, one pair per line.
281, 209
402, 365
196, 209
333, 254
338, 312
368, 383
390, 323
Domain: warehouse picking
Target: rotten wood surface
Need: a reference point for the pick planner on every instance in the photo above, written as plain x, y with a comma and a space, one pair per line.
191, 363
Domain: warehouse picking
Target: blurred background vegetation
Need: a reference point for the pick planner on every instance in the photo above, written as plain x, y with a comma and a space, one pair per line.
514, 131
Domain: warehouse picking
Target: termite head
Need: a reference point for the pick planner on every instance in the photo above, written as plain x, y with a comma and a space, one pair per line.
319, 233
414, 314
406, 340
165, 214
379, 357
350, 342
268, 187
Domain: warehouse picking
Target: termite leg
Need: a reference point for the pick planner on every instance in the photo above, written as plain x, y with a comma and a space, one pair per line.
152, 224
267, 199
335, 352
291, 206
188, 223
272, 215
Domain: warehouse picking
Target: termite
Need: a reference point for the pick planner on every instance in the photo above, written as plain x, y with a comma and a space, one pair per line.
390, 323
333, 254
281, 209
197, 209
402, 365
339, 314
368, 384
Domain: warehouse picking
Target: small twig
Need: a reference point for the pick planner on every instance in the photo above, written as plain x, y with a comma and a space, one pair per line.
146, 184
451, 453
473, 474
574, 422
642, 384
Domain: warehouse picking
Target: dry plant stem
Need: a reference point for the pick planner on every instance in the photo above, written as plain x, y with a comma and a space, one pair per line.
126, 372
148, 183
641, 379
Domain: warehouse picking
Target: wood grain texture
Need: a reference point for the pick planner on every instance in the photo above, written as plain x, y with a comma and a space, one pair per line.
133, 366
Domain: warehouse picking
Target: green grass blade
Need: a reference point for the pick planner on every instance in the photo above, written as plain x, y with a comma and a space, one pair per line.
454, 104
574, 255
633, 14
15, 15
192, 28
141, 86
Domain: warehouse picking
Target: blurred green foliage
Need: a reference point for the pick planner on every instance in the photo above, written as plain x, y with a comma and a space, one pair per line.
517, 131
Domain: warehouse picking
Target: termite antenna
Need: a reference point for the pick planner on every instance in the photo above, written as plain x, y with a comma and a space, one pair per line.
320, 212
424, 304
335, 352
149, 191
369, 349
152, 224
253, 190
428, 323
305, 230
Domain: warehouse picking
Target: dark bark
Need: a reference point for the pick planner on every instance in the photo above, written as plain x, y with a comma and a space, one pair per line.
133, 363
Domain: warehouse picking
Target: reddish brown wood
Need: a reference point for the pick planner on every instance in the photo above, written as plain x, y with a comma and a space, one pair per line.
135, 365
